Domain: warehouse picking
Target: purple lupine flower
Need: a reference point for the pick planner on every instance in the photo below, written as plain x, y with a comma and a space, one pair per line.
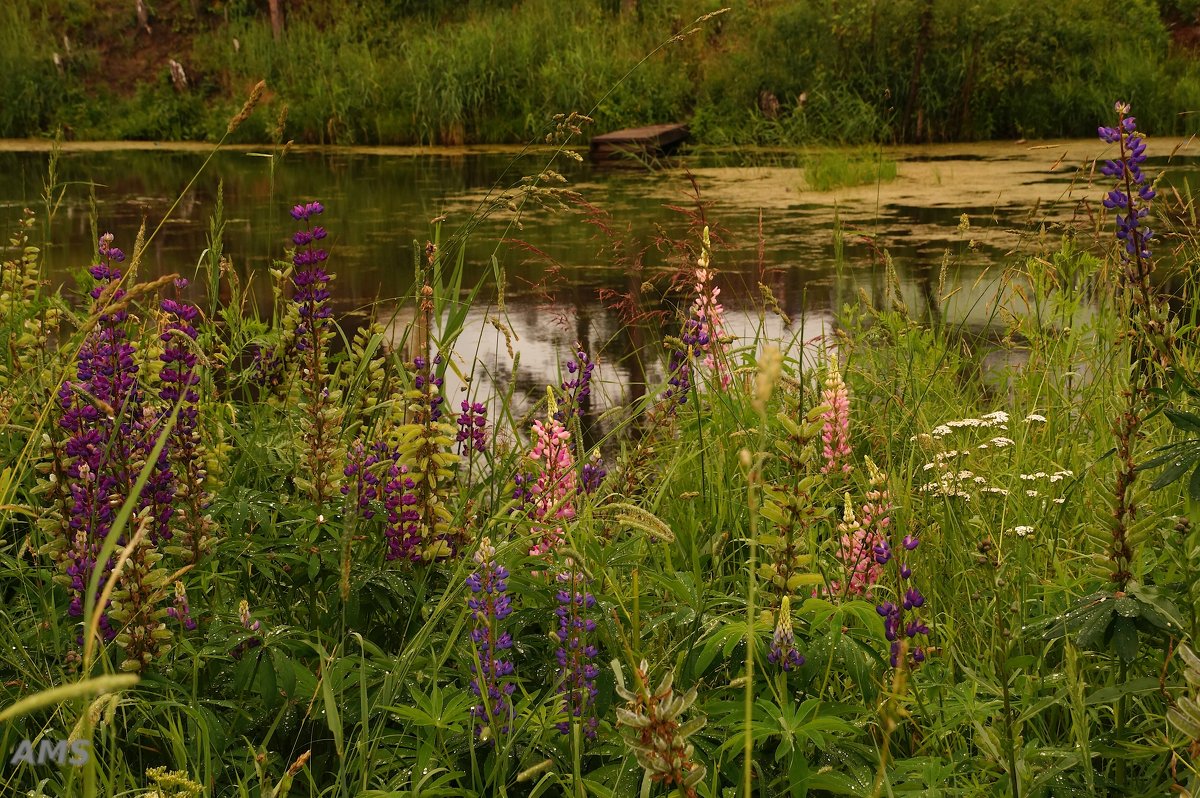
592, 474
178, 378
900, 621
490, 605
783, 643
104, 428
1131, 198
471, 423
304, 211
695, 339
577, 388
181, 611
426, 376
360, 466
403, 526
310, 278
577, 671
523, 488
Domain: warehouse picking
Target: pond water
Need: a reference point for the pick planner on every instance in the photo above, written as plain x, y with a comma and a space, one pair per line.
558, 264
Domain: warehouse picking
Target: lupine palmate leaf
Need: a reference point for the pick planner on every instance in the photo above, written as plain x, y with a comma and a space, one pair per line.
1183, 420
1174, 470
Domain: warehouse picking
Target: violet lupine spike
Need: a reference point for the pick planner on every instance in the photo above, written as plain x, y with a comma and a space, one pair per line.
426, 376
900, 621
694, 339
403, 526
104, 433
471, 427
577, 388
576, 652
592, 474
179, 380
321, 415
490, 605
783, 643
1132, 196
360, 466
310, 278
835, 423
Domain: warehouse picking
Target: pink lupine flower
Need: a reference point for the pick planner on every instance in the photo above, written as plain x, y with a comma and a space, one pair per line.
835, 427
553, 491
711, 315
856, 552
877, 509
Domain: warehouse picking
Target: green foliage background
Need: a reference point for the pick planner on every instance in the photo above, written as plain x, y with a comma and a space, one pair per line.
771, 72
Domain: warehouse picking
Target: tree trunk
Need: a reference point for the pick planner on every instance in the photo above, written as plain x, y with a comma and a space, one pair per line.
276, 18
914, 85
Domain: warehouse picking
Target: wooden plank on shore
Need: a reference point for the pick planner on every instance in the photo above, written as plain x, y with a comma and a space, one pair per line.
649, 140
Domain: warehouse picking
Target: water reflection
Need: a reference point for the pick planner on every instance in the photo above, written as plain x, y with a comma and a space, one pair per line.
562, 279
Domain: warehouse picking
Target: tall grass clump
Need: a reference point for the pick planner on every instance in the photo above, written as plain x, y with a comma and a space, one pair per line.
866, 564
32, 87
826, 171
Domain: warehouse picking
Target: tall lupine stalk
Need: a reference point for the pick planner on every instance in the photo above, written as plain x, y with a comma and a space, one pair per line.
711, 315
651, 726
577, 387
423, 470
856, 553
402, 530
137, 600
110, 429
577, 391
835, 422
180, 379
692, 338
1152, 330
365, 370
101, 412
472, 423
792, 506
576, 652
491, 670
902, 623
19, 283
27, 322
319, 404
423, 474
551, 495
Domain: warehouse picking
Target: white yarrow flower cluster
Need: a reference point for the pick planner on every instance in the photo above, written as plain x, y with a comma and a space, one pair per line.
950, 478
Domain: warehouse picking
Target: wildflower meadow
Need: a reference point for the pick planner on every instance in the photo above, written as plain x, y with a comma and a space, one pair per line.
249, 550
